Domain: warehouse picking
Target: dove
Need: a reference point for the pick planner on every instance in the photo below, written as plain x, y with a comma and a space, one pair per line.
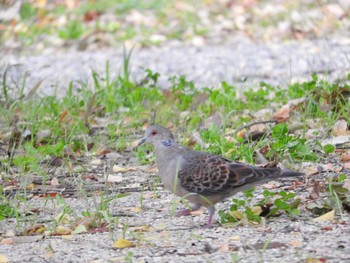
203, 179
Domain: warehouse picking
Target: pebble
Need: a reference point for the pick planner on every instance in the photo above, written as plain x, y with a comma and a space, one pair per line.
242, 63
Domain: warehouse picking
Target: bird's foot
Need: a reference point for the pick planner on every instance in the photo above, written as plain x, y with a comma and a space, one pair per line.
185, 212
209, 222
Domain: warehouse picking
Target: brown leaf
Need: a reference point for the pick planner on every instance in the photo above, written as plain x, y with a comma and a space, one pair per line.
315, 194
345, 157
283, 114
346, 165
310, 170
295, 243
315, 260
331, 167
340, 127
8, 241
54, 181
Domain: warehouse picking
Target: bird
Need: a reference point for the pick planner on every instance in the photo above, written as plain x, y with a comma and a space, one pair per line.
202, 178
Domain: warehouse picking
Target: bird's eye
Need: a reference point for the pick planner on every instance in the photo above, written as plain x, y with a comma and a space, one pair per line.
154, 133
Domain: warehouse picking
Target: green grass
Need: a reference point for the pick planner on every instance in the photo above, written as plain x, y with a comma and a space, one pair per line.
127, 105
139, 21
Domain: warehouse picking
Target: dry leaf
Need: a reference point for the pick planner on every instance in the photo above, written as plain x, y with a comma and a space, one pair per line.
283, 114
3, 259
30, 187
224, 247
314, 260
96, 162
119, 169
345, 157
62, 219
326, 217
136, 209
310, 170
62, 230
54, 181
79, 229
198, 212
341, 139
8, 241
331, 168
295, 243
235, 238
143, 228
237, 214
340, 127
114, 178
123, 243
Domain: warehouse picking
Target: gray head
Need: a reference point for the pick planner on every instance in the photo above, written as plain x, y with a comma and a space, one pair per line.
155, 134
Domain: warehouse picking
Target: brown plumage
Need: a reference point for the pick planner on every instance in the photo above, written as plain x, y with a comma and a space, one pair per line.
203, 178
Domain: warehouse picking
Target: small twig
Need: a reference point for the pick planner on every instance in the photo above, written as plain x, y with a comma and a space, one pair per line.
254, 123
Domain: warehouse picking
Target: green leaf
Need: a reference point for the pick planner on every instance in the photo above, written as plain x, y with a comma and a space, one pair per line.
280, 130
281, 205
329, 148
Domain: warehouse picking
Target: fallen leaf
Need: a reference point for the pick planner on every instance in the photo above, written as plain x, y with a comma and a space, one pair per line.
345, 157
235, 238
62, 231
119, 169
114, 178
198, 212
236, 214
326, 217
315, 194
3, 259
123, 243
54, 181
136, 209
337, 140
271, 185
340, 127
96, 162
79, 229
37, 229
327, 228
283, 114
330, 167
310, 170
295, 243
62, 219
314, 260
8, 241
103, 152
30, 187
224, 247
143, 228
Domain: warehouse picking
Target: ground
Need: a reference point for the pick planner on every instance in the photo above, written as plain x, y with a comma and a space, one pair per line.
75, 189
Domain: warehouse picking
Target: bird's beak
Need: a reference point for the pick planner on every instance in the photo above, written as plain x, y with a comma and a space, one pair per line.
142, 141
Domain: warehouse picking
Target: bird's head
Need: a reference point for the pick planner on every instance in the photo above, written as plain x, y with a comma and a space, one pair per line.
157, 134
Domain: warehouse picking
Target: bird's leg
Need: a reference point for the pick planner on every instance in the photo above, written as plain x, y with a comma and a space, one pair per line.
187, 212
211, 211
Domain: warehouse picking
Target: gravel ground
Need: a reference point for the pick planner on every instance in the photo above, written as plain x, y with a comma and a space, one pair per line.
242, 63
172, 239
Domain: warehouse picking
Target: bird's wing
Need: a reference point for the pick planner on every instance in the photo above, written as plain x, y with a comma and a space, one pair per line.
209, 174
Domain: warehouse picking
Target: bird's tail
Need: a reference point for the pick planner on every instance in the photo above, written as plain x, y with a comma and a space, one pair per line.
287, 173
